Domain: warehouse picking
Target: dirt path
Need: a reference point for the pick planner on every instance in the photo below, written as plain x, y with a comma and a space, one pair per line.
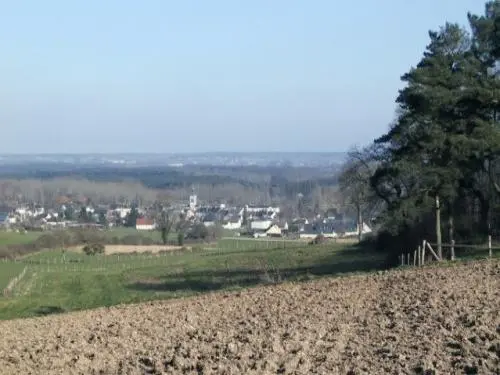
401, 322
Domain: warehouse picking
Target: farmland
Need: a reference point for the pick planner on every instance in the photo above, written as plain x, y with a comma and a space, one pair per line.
237, 306
57, 281
14, 238
406, 321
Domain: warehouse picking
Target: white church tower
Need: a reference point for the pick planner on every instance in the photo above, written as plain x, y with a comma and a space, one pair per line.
193, 200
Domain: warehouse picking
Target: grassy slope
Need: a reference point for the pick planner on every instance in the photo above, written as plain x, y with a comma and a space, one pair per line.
8, 271
55, 284
14, 238
121, 232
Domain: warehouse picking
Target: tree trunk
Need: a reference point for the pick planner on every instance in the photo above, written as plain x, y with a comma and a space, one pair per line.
360, 223
438, 228
484, 210
451, 230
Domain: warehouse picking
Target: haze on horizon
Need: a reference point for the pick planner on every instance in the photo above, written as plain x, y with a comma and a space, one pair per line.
196, 76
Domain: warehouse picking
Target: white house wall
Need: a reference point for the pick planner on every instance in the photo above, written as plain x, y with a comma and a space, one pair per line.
232, 225
260, 225
145, 227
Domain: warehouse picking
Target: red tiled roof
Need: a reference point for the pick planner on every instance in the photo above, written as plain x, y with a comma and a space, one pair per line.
144, 221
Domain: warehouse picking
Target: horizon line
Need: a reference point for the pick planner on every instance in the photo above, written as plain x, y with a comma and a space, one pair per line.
166, 153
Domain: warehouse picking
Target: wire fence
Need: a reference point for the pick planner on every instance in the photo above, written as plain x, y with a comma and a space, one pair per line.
433, 252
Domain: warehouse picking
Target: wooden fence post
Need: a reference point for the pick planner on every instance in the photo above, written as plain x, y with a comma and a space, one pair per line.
490, 252
419, 256
415, 258
402, 259
423, 252
433, 252
452, 249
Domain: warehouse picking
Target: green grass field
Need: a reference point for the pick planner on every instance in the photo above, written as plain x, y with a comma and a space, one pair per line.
121, 232
155, 235
8, 271
14, 238
58, 282
258, 243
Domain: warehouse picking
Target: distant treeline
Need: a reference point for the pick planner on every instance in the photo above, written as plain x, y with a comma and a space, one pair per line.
237, 184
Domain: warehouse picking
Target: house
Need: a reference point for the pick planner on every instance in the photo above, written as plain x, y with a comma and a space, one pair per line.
352, 231
256, 209
316, 229
122, 212
210, 220
234, 222
260, 225
284, 228
4, 218
51, 216
145, 224
23, 212
11, 219
38, 211
272, 231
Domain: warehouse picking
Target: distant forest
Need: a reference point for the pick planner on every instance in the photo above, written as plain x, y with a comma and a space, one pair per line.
314, 187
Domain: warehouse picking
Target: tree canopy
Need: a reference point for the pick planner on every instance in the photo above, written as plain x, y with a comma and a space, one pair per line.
441, 156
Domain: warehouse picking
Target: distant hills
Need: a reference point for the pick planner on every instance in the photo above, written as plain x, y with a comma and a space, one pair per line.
178, 160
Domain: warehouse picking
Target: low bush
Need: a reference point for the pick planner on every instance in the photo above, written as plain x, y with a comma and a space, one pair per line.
94, 249
180, 239
197, 248
320, 239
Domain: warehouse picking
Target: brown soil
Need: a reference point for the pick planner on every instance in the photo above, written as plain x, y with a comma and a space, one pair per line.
126, 249
115, 249
401, 322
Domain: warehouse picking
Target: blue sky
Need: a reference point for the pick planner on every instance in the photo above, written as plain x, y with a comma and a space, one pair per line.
196, 75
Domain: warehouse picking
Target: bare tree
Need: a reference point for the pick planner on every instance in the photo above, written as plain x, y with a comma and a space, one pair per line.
165, 220
354, 181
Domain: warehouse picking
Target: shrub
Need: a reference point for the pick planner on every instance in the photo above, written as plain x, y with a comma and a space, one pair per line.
198, 232
320, 239
114, 240
93, 249
197, 248
180, 239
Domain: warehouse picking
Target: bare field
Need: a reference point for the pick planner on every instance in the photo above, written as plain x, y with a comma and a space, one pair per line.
124, 249
415, 321
127, 249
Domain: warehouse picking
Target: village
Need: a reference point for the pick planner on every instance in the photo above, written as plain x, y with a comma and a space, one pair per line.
249, 220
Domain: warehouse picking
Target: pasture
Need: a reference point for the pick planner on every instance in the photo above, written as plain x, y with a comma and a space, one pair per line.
121, 232
57, 281
15, 238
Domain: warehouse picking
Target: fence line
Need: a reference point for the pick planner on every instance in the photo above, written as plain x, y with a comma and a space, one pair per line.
13, 282
418, 256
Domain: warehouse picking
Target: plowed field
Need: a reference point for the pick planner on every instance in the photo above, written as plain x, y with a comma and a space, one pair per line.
400, 322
